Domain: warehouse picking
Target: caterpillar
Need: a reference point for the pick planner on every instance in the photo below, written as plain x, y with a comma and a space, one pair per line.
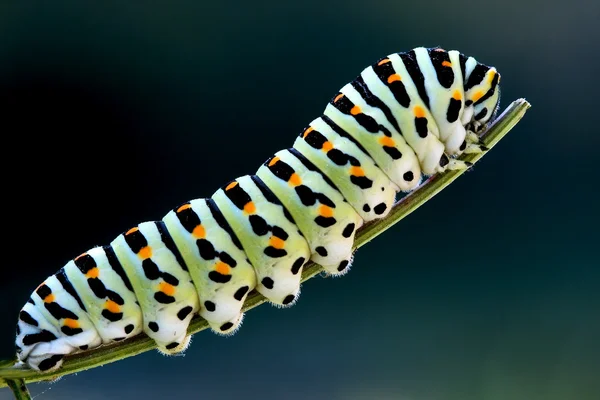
405, 117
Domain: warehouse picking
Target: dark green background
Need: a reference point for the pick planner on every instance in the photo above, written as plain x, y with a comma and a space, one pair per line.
113, 113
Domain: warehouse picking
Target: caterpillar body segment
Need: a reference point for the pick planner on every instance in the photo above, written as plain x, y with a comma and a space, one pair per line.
210, 249
269, 236
326, 219
406, 116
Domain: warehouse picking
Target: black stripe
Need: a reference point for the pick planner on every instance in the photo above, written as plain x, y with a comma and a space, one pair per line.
136, 240
68, 286
489, 92
312, 167
114, 263
410, 62
218, 216
476, 76
463, 66
271, 197
371, 99
341, 132
166, 238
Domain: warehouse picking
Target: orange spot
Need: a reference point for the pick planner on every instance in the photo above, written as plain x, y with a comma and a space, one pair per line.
384, 61
387, 141
145, 252
357, 171
419, 112
199, 232
276, 242
79, 256
477, 95
49, 299
440, 50
112, 306
446, 64
222, 268
184, 207
167, 288
132, 230
295, 179
92, 273
307, 131
326, 211
327, 146
71, 323
393, 78
231, 185
273, 161
339, 96
249, 208
355, 110
456, 95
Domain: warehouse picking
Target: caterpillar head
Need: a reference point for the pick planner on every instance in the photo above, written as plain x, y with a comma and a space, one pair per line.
484, 97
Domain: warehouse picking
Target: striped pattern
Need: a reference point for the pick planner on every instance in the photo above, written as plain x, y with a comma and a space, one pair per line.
406, 116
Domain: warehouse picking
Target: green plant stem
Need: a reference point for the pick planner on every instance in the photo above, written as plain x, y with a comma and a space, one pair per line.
19, 389
15, 376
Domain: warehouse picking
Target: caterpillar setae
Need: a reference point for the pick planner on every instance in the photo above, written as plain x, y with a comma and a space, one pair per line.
406, 116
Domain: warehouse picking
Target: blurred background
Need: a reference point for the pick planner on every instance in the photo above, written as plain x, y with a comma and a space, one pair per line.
112, 113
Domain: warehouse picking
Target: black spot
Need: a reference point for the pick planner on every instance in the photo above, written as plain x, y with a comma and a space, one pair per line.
392, 152
50, 362
366, 208
421, 126
43, 336
343, 265
468, 103
170, 279
171, 346
210, 306
184, 312
70, 331
463, 145
206, 249
481, 114
153, 326
347, 232
325, 222
408, 176
274, 252
59, 312
219, 278
240, 293
118, 339
444, 160
27, 318
361, 181
129, 328
259, 225
84, 347
164, 298
297, 265
280, 233
307, 196
288, 299
380, 208
226, 326
268, 283
111, 316
227, 259
322, 251
337, 156
453, 110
